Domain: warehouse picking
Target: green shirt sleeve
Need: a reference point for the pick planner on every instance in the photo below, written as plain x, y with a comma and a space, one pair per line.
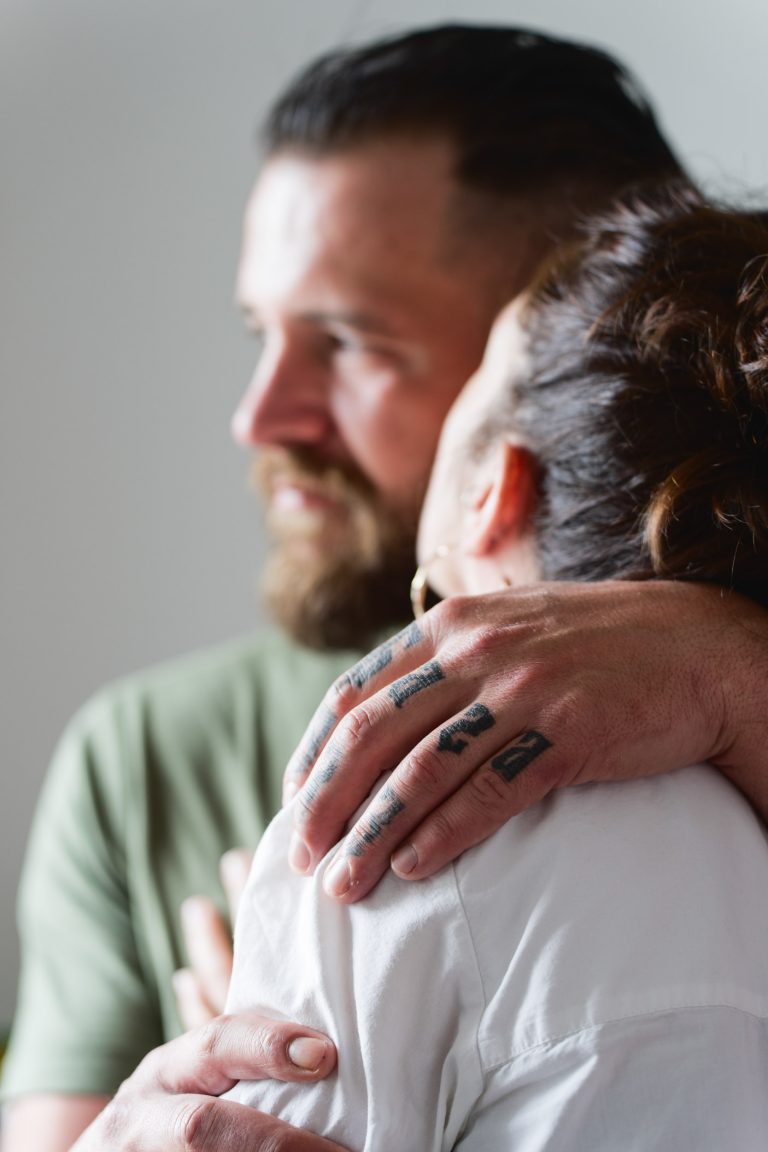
85, 1014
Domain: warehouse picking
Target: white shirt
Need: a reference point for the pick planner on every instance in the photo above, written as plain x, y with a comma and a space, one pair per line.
593, 978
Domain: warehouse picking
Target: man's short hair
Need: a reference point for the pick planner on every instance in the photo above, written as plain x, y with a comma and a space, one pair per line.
524, 110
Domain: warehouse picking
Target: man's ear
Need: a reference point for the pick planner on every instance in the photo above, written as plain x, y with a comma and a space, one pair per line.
503, 503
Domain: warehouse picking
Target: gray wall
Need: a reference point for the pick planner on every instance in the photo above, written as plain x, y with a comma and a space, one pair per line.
127, 531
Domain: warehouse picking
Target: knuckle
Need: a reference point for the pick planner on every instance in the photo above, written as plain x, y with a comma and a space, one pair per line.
488, 793
342, 692
424, 772
356, 726
150, 1070
197, 1122
212, 1040
444, 828
115, 1124
268, 1049
449, 614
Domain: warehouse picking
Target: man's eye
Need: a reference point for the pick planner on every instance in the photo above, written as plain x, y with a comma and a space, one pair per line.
343, 345
340, 343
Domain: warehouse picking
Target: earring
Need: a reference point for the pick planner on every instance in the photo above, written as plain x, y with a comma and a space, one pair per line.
419, 584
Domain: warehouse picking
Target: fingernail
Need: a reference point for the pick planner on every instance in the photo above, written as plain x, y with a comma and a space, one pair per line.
404, 860
338, 878
306, 1053
298, 855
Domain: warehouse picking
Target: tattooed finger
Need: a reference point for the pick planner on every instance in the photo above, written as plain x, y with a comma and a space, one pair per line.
414, 682
517, 756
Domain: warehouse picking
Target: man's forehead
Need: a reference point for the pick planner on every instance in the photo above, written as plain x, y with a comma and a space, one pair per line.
357, 183
373, 216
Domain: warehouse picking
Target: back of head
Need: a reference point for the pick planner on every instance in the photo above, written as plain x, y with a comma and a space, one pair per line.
525, 111
647, 397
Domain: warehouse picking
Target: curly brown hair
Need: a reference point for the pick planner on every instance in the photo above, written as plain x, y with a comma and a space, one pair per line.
646, 400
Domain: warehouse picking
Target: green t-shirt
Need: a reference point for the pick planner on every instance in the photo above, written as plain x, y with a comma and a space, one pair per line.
153, 780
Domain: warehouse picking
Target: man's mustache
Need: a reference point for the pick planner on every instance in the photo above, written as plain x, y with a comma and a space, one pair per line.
305, 467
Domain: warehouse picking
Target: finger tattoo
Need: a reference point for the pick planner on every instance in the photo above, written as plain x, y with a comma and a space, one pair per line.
414, 682
411, 636
315, 739
378, 660
370, 665
475, 720
393, 806
317, 781
514, 759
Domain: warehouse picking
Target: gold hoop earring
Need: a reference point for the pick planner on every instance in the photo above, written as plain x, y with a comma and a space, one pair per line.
420, 583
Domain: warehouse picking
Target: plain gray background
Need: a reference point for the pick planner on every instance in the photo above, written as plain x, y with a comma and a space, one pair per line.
128, 533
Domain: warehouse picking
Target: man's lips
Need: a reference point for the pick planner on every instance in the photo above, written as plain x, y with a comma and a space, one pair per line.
288, 497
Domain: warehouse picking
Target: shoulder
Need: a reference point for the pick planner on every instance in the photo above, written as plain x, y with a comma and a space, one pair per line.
619, 901
243, 704
265, 662
209, 693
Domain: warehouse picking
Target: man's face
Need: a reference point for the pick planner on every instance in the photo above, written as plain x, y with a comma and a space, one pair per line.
370, 320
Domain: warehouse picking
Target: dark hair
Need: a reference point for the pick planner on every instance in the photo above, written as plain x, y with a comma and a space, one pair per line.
646, 399
523, 109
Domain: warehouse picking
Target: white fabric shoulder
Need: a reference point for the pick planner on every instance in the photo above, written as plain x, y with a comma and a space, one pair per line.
598, 966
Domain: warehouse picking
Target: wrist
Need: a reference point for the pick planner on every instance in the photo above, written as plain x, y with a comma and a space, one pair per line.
741, 753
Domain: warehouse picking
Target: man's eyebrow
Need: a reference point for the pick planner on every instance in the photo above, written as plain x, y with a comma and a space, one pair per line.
347, 318
361, 321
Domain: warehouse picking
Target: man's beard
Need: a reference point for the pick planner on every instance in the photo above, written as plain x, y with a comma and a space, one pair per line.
339, 574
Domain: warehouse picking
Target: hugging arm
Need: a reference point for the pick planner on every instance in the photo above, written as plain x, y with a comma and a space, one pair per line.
489, 703
171, 1100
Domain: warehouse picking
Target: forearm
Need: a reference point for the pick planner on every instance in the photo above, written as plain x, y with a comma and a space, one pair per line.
47, 1123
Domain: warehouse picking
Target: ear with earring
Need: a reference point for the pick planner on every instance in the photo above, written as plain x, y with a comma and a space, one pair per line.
420, 582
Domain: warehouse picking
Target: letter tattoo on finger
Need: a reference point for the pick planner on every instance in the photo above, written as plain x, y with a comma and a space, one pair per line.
321, 726
370, 665
410, 636
514, 759
475, 720
316, 782
393, 806
414, 682
381, 657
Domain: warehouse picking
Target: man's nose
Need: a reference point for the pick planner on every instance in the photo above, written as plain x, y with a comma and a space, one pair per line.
285, 403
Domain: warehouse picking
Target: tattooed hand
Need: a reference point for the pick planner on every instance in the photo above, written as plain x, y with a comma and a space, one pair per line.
489, 703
